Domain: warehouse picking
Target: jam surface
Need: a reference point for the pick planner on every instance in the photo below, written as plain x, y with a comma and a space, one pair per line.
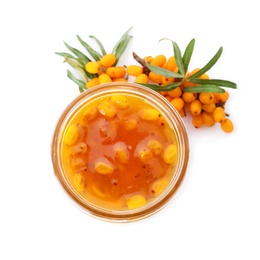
118, 152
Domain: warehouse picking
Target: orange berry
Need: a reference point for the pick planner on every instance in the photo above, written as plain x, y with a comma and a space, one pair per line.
142, 78
227, 125
104, 78
221, 97
134, 70
195, 107
197, 121
92, 83
208, 119
178, 103
171, 64
166, 81
204, 76
209, 107
108, 60
92, 67
177, 92
189, 96
116, 72
159, 60
219, 114
156, 78
206, 97
119, 80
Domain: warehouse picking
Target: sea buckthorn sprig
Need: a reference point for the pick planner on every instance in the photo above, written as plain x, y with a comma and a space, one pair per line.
101, 67
189, 92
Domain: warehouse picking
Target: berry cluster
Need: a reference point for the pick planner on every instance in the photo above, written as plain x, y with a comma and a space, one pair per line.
191, 93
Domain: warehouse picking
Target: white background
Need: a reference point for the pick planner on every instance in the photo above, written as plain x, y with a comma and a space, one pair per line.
215, 214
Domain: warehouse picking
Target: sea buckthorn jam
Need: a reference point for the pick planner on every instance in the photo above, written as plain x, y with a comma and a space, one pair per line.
117, 151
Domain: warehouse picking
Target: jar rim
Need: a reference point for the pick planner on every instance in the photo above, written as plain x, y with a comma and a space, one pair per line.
157, 101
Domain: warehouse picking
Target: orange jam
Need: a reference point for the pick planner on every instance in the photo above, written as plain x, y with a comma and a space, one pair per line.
118, 151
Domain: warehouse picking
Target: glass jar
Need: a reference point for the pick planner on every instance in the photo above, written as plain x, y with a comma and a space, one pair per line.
120, 151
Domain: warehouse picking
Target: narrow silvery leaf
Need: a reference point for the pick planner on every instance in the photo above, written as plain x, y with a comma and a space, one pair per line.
103, 51
187, 55
204, 88
217, 82
209, 65
163, 72
97, 56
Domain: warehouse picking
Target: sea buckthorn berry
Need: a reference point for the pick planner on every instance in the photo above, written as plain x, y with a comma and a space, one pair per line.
107, 109
209, 107
197, 121
206, 97
159, 186
208, 119
92, 67
189, 96
155, 146
104, 166
166, 81
119, 80
104, 78
72, 135
148, 58
120, 101
90, 113
158, 60
145, 154
135, 201
130, 124
108, 60
142, 78
182, 112
177, 92
178, 103
219, 114
227, 125
77, 162
134, 70
79, 149
195, 107
78, 182
116, 72
170, 154
171, 64
221, 97
150, 114
121, 152
204, 76
156, 78
92, 83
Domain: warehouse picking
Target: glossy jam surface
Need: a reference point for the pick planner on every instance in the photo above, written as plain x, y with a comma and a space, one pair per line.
118, 152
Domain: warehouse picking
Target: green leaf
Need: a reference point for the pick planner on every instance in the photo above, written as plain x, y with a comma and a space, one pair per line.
121, 45
123, 38
204, 88
209, 65
76, 65
159, 88
97, 56
163, 72
103, 51
121, 48
65, 55
187, 55
81, 84
178, 57
217, 82
69, 56
78, 53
